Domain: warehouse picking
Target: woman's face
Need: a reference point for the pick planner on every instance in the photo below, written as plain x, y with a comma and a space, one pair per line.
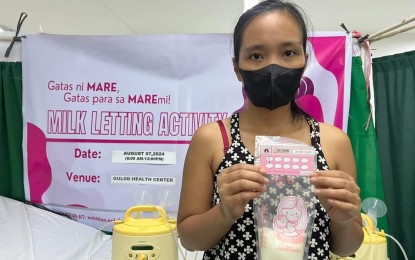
272, 38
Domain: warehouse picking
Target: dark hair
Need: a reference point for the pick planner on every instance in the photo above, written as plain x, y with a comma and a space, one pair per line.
270, 6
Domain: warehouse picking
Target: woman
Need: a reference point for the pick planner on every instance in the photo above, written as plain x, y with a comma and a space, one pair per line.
220, 182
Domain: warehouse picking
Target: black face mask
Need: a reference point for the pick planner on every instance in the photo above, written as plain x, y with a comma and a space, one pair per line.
272, 86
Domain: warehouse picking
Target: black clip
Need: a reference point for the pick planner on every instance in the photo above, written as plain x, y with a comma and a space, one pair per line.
363, 38
23, 16
344, 27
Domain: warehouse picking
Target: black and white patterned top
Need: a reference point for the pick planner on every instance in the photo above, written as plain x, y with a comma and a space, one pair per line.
240, 241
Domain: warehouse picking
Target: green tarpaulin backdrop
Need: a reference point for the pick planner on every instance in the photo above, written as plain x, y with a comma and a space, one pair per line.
11, 130
363, 138
394, 88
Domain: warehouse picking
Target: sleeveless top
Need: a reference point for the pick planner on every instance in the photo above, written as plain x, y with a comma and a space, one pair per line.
240, 241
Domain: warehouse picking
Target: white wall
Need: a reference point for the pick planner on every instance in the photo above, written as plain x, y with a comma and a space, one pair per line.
396, 44
114, 17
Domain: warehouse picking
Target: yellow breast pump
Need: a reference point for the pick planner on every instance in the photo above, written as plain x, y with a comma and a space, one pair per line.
374, 246
140, 237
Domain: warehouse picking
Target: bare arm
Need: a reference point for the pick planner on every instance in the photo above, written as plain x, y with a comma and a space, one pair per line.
339, 193
200, 225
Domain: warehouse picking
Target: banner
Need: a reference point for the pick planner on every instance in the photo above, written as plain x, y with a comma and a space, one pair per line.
325, 88
108, 119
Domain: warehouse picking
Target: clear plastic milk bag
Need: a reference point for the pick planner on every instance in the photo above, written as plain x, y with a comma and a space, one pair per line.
285, 212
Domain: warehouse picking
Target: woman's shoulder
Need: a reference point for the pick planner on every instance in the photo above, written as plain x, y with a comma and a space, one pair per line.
207, 144
333, 135
209, 130
336, 146
209, 135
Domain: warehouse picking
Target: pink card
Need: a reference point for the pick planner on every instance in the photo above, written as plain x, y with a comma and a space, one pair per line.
287, 159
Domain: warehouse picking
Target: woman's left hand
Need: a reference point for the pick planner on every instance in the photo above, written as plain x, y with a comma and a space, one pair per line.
338, 193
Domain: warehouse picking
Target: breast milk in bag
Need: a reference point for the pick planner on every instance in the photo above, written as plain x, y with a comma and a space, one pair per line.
285, 212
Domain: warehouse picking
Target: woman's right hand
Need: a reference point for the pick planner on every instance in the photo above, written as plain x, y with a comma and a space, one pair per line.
237, 185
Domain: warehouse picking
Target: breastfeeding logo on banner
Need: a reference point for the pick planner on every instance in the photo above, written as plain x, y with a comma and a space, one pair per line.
107, 125
324, 90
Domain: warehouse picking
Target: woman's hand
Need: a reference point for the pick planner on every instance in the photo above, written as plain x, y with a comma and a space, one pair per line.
339, 195
237, 185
